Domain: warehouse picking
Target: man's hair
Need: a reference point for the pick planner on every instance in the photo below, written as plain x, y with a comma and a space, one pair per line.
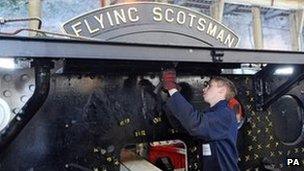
222, 81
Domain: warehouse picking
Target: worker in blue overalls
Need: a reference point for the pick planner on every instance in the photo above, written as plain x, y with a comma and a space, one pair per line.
217, 127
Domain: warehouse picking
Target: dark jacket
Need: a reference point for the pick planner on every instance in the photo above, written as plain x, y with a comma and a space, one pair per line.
217, 128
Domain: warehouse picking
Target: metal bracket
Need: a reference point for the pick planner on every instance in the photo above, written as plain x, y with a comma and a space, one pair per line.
42, 81
217, 56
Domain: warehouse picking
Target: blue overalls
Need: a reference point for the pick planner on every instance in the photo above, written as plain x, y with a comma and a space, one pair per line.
217, 128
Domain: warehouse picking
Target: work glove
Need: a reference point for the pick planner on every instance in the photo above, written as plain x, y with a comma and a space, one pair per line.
169, 79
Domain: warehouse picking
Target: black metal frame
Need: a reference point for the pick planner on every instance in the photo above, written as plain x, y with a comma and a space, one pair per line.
42, 80
46, 49
25, 47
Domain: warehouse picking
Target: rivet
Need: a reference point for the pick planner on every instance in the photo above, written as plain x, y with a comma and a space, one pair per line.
16, 110
7, 78
7, 93
18, 118
23, 98
25, 77
32, 87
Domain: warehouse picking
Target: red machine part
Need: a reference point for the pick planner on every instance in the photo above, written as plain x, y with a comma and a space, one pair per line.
176, 153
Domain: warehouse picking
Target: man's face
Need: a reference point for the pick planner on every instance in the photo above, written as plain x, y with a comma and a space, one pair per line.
212, 92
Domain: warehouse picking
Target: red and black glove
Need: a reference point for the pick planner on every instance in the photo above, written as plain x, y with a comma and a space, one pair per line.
169, 79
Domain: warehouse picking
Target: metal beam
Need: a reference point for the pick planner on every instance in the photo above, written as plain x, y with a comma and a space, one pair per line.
21, 47
257, 28
272, 13
217, 10
278, 4
230, 8
296, 29
34, 12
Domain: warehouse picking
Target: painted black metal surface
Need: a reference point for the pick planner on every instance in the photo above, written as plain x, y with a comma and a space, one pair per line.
142, 67
87, 119
102, 101
85, 115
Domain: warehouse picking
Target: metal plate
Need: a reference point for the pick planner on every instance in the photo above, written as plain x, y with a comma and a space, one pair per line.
16, 87
4, 114
151, 23
20, 47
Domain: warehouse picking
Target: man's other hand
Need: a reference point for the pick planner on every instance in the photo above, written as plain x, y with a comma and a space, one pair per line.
169, 79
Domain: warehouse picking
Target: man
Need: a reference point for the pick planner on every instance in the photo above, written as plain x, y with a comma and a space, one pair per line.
217, 127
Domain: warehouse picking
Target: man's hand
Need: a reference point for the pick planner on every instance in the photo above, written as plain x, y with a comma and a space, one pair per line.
169, 79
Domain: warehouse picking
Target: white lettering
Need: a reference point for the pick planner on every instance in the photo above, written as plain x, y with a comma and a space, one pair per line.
157, 14
201, 24
76, 31
120, 16
167, 15
186, 19
191, 19
181, 17
100, 20
293, 162
89, 27
289, 161
296, 162
220, 36
135, 16
110, 19
229, 41
211, 29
